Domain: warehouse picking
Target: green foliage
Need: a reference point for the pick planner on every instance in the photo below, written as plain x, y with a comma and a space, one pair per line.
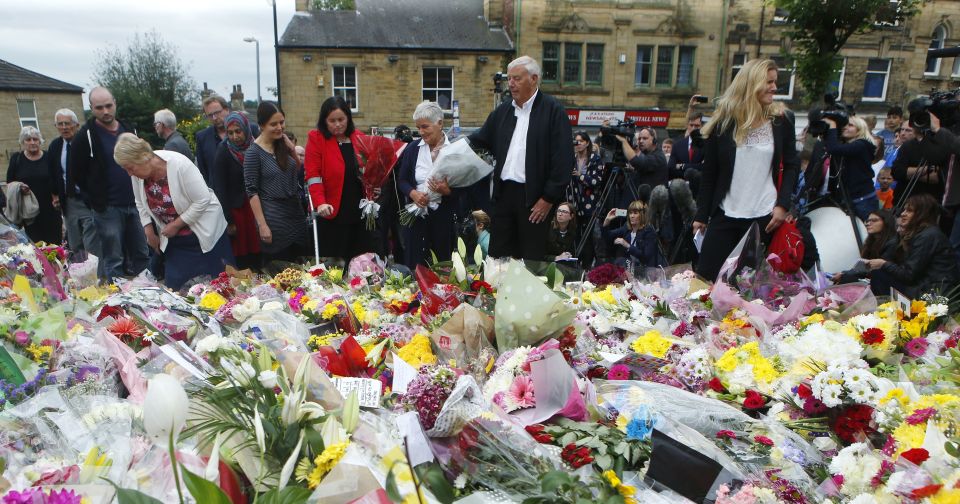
9, 371
145, 76
432, 476
818, 38
203, 490
288, 495
188, 127
127, 496
332, 5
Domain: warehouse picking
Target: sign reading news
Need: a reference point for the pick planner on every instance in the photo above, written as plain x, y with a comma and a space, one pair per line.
656, 118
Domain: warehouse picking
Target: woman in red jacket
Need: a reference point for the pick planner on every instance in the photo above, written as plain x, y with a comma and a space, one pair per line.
334, 182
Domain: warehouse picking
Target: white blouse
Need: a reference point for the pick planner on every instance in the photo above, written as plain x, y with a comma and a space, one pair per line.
752, 192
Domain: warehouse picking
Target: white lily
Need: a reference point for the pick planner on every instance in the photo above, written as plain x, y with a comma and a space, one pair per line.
459, 269
258, 429
332, 432
213, 465
268, 378
165, 408
290, 411
290, 464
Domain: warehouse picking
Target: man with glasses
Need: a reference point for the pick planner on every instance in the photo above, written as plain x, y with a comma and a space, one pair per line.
77, 215
107, 189
215, 109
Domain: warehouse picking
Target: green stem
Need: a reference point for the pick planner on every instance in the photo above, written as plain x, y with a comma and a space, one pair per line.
174, 464
416, 481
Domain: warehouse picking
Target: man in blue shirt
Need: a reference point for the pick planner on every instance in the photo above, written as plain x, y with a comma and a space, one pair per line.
889, 132
107, 189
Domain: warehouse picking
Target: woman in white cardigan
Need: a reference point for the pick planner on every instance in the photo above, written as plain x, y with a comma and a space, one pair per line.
170, 194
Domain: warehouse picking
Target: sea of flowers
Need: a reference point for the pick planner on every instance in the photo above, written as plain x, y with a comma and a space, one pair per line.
471, 381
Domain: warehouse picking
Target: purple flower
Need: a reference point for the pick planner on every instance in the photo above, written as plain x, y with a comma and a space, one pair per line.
24, 497
916, 347
63, 497
813, 406
22, 337
921, 416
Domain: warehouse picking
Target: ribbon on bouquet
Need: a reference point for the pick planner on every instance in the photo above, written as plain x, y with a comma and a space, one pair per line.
369, 209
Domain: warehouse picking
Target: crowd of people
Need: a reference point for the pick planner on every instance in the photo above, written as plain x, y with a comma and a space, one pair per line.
249, 194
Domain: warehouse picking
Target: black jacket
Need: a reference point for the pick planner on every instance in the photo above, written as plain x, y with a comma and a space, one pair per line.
930, 263
643, 248
549, 159
680, 158
720, 151
911, 154
651, 167
856, 159
559, 243
226, 180
88, 165
55, 170
887, 253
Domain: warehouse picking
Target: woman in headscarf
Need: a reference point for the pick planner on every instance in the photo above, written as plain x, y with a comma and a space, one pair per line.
226, 179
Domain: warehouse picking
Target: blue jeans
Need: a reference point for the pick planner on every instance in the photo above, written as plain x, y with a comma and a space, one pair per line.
121, 238
81, 230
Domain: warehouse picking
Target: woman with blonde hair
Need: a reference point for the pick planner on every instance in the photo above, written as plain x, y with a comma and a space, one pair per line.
170, 194
635, 241
851, 153
749, 168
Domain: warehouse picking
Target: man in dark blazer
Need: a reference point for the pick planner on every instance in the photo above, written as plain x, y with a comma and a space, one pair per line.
81, 232
686, 159
531, 139
215, 109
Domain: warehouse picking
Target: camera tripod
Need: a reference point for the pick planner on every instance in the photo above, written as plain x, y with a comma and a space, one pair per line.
845, 202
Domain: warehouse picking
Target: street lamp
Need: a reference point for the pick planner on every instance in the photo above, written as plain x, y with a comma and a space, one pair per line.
257, 42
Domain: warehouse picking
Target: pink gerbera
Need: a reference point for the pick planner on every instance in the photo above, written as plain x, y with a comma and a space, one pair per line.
521, 392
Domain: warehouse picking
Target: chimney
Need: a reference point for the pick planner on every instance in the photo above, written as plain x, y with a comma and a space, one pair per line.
236, 98
206, 92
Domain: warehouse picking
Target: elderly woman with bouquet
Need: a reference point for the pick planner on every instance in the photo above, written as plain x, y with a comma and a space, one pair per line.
417, 181
345, 170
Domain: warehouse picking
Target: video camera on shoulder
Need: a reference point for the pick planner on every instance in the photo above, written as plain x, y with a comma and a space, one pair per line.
610, 150
944, 104
832, 108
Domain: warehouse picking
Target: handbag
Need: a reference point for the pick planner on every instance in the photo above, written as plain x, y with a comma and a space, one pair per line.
786, 243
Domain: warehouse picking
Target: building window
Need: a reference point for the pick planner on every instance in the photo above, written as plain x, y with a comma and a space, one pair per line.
28, 113
936, 42
438, 85
836, 86
781, 16
571, 63
345, 85
594, 67
956, 67
551, 61
738, 61
875, 81
784, 79
665, 65
685, 67
644, 66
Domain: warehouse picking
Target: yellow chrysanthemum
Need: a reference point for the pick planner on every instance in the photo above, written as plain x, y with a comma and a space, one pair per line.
212, 301
39, 353
895, 394
418, 352
332, 309
945, 496
652, 343
604, 297
909, 436
611, 478
326, 461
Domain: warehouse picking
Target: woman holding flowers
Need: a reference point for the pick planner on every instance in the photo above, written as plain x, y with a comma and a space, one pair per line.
272, 182
437, 230
226, 180
924, 261
170, 194
749, 168
333, 179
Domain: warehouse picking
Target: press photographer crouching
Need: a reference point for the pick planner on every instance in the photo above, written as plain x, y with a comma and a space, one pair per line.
851, 149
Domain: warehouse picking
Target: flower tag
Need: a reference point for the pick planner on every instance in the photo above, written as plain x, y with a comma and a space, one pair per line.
368, 390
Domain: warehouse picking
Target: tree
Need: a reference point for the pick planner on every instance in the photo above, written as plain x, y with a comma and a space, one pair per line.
333, 5
822, 27
144, 77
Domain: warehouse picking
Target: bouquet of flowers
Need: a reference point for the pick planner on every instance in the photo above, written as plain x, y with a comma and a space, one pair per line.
459, 166
376, 156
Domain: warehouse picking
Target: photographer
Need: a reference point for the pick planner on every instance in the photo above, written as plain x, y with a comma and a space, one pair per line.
911, 170
649, 162
951, 200
854, 157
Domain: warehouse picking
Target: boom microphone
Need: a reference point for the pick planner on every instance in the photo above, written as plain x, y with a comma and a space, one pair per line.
659, 204
683, 198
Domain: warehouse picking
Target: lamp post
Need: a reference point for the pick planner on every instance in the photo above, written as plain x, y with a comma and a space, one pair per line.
257, 42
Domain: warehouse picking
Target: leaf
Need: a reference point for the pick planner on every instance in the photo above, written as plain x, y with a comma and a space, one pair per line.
568, 438
9, 370
127, 496
552, 481
203, 490
604, 461
433, 476
288, 495
433, 258
391, 487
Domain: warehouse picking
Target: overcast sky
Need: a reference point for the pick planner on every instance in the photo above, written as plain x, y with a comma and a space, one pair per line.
60, 38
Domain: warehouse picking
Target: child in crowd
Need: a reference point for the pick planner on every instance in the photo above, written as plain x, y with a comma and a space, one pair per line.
482, 222
885, 191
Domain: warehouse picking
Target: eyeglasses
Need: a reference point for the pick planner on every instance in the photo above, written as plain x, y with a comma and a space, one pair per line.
213, 114
63, 124
563, 210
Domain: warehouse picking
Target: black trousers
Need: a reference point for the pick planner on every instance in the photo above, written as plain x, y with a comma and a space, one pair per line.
723, 235
511, 232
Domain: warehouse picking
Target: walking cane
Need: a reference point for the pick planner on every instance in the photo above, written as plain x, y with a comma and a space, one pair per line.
313, 219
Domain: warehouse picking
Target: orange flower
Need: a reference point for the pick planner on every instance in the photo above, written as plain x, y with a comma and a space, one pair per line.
126, 329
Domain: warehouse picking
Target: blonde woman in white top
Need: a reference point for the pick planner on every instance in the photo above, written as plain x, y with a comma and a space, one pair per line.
750, 165
172, 197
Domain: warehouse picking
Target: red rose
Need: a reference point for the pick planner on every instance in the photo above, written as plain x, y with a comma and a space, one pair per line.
753, 400
926, 491
916, 455
872, 336
716, 385
534, 429
803, 390
764, 440
726, 434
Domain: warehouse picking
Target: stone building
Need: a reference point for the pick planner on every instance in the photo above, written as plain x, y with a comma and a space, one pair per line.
387, 56
604, 57
31, 99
